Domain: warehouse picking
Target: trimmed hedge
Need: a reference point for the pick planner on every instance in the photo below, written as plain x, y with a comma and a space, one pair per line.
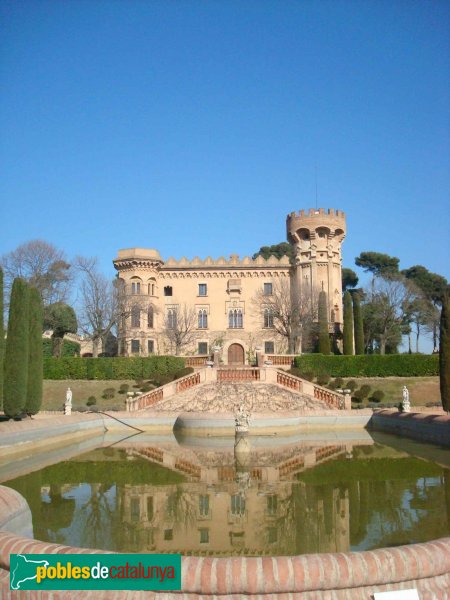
69, 348
112, 368
370, 365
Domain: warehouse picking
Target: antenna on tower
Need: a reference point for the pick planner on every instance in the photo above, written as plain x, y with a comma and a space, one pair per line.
315, 169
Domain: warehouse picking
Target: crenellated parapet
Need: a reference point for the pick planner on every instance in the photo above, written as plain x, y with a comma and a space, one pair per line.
232, 262
138, 259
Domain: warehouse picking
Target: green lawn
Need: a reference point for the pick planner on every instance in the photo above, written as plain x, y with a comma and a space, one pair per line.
55, 393
422, 390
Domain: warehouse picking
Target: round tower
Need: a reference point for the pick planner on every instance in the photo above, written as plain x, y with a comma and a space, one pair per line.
316, 237
138, 270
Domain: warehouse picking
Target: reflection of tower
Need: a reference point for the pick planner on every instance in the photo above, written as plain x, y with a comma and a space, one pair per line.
316, 237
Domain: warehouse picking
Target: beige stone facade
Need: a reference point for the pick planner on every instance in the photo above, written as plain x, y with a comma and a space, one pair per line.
222, 302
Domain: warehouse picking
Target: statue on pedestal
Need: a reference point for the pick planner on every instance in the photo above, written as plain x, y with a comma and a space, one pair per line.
68, 402
406, 405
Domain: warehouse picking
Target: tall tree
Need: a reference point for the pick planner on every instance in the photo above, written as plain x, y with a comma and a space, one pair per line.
291, 314
61, 318
43, 266
16, 352
348, 324
433, 287
358, 324
380, 265
324, 336
103, 303
2, 338
277, 250
349, 279
180, 327
444, 352
35, 358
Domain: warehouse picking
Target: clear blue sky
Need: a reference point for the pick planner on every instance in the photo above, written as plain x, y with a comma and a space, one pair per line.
194, 127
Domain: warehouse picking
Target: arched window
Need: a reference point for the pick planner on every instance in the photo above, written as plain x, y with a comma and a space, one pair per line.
135, 316
235, 320
150, 317
202, 319
151, 289
136, 287
268, 317
171, 318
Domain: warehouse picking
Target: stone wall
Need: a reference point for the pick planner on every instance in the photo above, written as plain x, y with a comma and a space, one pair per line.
434, 428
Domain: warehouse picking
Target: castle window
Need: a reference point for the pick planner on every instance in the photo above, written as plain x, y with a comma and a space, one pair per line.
150, 317
235, 320
272, 505
203, 348
168, 290
171, 318
237, 505
269, 348
204, 536
202, 319
151, 289
135, 346
135, 287
202, 289
268, 318
168, 535
203, 505
149, 508
268, 289
135, 316
135, 509
150, 347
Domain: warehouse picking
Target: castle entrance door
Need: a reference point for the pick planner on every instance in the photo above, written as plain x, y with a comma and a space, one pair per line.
235, 354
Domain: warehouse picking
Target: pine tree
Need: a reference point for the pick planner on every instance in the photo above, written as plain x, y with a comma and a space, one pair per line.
35, 359
444, 353
324, 336
358, 325
2, 337
16, 351
348, 324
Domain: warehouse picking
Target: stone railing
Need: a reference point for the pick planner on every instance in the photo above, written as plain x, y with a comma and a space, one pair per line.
281, 360
195, 361
331, 398
244, 374
294, 383
151, 398
187, 382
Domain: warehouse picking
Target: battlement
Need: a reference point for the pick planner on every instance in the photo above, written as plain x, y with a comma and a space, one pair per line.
314, 218
317, 213
221, 262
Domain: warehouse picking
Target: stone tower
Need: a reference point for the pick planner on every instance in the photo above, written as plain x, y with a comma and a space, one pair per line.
316, 236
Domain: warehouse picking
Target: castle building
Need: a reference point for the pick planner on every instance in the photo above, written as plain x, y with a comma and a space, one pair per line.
191, 307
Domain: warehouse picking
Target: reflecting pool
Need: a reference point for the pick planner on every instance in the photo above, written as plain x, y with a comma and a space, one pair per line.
242, 496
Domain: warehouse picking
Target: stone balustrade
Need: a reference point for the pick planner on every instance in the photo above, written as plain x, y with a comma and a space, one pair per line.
243, 374
279, 360
294, 383
195, 361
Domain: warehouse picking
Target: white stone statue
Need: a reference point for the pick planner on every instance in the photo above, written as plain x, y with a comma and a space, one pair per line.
406, 406
242, 419
68, 402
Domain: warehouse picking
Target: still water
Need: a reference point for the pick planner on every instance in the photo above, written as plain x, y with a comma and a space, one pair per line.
244, 496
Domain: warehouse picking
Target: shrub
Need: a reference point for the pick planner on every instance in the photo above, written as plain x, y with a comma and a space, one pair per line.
108, 393
323, 379
146, 387
124, 387
339, 382
364, 390
358, 396
69, 348
371, 365
91, 401
377, 396
118, 367
351, 385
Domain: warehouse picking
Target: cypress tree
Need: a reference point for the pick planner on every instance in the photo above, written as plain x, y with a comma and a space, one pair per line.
16, 351
35, 351
358, 324
348, 324
324, 336
444, 353
2, 338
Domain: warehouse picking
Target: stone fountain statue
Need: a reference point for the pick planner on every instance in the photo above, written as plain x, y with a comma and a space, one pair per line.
406, 405
68, 402
242, 420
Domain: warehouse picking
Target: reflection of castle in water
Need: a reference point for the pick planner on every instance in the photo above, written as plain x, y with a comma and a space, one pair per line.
241, 503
